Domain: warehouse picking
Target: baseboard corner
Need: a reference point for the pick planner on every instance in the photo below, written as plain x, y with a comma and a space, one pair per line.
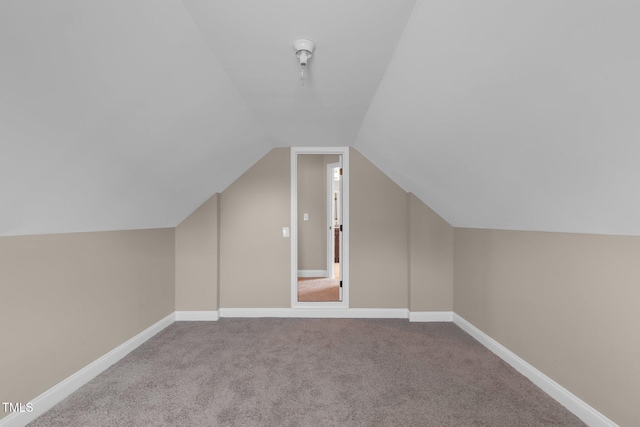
197, 316
574, 404
431, 316
64, 388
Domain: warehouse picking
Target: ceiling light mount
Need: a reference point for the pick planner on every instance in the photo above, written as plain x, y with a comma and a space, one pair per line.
304, 50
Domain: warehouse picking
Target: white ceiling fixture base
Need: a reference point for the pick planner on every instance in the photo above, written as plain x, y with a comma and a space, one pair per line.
304, 50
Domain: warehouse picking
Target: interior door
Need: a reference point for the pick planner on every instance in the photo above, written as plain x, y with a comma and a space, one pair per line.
334, 200
340, 239
319, 278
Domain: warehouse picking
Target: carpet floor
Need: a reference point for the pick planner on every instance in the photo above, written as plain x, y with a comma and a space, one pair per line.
318, 289
309, 372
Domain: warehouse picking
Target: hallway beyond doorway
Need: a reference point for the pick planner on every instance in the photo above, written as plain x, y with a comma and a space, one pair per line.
320, 289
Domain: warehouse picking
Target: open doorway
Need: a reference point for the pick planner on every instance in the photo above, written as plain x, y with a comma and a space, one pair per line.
319, 221
334, 208
319, 239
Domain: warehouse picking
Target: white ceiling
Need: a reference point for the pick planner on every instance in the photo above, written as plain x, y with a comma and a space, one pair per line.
515, 115
497, 114
114, 115
355, 39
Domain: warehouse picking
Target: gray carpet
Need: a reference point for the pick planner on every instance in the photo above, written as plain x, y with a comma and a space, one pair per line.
309, 372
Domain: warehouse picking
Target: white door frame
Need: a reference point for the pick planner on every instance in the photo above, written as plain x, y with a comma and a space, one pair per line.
344, 151
330, 231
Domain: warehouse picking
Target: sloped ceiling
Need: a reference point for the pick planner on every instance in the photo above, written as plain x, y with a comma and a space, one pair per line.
497, 114
355, 39
129, 114
115, 115
515, 115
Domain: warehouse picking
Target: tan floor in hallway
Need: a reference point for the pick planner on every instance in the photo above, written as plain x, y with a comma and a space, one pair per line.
320, 289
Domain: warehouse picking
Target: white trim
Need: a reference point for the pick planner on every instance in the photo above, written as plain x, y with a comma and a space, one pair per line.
64, 388
431, 316
313, 273
330, 223
317, 312
344, 152
60, 391
294, 228
578, 407
190, 316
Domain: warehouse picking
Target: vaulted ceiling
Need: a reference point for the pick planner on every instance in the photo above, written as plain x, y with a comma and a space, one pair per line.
497, 114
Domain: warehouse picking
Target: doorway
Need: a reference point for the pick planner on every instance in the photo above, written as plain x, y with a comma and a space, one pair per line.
334, 213
319, 227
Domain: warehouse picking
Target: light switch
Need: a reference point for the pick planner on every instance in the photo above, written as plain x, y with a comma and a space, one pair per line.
305, 217
285, 231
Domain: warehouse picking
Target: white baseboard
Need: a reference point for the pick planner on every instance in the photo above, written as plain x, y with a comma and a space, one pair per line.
64, 388
55, 394
430, 316
313, 273
190, 316
308, 312
578, 407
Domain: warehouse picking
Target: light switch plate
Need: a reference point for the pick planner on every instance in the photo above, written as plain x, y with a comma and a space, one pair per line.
305, 217
285, 231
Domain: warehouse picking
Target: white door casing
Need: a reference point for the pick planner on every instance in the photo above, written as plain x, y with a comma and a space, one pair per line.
344, 256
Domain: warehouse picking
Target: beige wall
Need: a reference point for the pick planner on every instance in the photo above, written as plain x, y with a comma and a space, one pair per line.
379, 245
197, 259
565, 303
430, 259
255, 260
68, 299
312, 199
